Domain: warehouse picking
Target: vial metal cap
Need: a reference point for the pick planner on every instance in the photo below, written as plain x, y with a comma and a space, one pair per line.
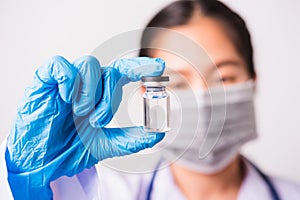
155, 81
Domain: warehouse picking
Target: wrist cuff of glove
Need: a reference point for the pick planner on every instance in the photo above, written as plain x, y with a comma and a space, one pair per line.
27, 186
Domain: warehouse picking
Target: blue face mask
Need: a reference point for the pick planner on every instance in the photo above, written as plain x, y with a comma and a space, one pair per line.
209, 127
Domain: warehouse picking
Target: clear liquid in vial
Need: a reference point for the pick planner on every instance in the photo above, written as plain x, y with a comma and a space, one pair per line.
156, 116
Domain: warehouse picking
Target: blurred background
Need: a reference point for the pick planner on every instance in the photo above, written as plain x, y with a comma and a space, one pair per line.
33, 31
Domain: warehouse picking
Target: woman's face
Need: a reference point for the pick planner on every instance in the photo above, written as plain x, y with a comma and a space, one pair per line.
227, 67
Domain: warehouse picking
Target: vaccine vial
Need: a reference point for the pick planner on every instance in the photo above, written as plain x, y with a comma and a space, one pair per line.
156, 104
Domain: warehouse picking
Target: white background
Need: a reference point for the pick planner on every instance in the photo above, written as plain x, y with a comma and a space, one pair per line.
32, 31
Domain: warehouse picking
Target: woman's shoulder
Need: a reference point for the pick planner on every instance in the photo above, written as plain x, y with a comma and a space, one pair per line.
256, 184
287, 189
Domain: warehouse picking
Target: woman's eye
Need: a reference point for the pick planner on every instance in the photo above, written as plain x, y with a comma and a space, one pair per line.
227, 79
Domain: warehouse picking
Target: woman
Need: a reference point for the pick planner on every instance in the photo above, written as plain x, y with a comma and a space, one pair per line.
217, 171
223, 34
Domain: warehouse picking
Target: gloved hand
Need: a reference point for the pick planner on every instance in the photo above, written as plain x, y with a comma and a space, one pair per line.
59, 129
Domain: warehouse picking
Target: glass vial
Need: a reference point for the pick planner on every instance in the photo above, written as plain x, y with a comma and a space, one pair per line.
156, 104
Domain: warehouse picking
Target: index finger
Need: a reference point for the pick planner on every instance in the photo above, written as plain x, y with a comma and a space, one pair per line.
132, 69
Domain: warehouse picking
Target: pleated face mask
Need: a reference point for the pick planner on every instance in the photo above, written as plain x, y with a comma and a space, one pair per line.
209, 127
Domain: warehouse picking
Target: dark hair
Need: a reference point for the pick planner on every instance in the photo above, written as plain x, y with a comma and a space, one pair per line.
180, 12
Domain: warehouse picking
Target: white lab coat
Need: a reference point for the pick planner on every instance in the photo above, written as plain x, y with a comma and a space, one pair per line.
100, 182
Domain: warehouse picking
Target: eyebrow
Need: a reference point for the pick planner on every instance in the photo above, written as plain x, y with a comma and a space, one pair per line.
220, 64
227, 62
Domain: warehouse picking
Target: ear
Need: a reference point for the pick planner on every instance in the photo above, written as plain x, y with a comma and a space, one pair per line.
254, 78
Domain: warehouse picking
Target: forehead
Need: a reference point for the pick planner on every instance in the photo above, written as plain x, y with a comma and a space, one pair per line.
209, 34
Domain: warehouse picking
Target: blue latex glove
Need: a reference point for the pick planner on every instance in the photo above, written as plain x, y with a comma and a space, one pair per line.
59, 128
